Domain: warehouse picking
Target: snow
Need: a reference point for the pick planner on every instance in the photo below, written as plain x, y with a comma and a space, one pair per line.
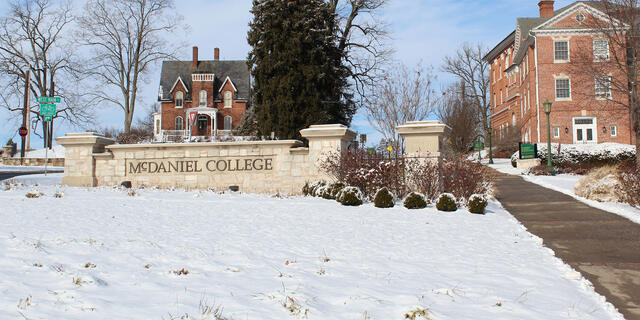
5, 168
55, 152
99, 253
565, 183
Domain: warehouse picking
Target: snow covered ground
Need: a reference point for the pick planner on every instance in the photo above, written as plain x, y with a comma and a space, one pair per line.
565, 183
100, 253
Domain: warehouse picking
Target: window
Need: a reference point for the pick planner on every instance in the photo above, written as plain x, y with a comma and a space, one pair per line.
179, 123
513, 119
157, 126
603, 87
203, 98
600, 49
228, 98
561, 50
580, 17
563, 89
227, 123
179, 99
556, 132
614, 131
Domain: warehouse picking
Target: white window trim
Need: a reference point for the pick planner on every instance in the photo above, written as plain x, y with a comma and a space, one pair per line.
230, 123
556, 89
613, 131
568, 52
200, 98
176, 99
556, 134
224, 100
175, 121
598, 58
600, 97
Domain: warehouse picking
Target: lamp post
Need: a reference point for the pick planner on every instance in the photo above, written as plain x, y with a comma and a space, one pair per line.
547, 110
490, 143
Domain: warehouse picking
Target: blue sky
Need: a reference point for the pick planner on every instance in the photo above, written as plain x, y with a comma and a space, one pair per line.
421, 30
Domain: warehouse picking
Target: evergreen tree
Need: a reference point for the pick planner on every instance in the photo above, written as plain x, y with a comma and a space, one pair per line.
297, 67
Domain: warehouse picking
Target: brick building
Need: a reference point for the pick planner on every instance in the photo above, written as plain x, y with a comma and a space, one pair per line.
210, 97
538, 62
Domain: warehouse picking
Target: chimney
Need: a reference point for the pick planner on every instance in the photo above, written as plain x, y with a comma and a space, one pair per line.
546, 9
195, 57
216, 53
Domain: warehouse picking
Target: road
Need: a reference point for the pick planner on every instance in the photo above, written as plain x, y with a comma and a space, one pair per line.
4, 175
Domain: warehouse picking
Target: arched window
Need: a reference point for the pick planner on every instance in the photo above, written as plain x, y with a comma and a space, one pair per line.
513, 119
203, 98
179, 123
228, 98
179, 99
227, 123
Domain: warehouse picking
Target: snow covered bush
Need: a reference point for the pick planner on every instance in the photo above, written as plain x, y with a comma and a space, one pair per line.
335, 188
415, 201
323, 192
446, 202
310, 188
581, 158
514, 159
477, 203
629, 188
350, 196
601, 184
384, 199
305, 189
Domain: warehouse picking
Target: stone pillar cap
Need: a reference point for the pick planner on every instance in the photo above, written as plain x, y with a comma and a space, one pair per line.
327, 131
419, 127
84, 138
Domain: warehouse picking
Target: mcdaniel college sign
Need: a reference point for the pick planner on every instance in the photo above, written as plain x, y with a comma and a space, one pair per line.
198, 165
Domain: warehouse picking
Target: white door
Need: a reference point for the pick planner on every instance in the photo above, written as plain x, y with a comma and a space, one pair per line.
584, 130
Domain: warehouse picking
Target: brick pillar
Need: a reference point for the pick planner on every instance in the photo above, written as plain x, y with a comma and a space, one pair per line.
423, 138
79, 164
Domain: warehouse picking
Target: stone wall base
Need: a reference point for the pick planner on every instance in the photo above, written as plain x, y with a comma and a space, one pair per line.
33, 162
526, 164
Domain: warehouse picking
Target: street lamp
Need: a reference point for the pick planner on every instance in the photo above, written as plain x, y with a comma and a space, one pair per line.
490, 143
547, 110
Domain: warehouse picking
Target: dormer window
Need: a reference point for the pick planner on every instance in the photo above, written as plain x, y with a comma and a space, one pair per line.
228, 99
179, 99
203, 98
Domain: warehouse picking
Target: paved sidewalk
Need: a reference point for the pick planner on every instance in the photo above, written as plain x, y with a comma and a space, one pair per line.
603, 246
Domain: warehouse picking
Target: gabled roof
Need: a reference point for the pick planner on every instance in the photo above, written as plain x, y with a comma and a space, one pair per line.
237, 70
524, 26
225, 82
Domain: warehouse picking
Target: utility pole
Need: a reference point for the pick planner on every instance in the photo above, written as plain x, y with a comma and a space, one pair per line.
26, 113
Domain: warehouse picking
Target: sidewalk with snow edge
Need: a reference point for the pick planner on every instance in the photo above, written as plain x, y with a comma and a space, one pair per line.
566, 183
101, 253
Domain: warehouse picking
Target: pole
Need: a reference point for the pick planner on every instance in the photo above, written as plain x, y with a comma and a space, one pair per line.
549, 163
490, 148
25, 116
46, 149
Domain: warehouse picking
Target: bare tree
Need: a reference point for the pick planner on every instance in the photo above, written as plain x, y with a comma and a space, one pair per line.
612, 65
34, 37
363, 39
467, 65
456, 110
402, 95
127, 38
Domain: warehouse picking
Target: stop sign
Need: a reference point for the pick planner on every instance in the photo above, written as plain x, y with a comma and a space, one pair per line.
23, 131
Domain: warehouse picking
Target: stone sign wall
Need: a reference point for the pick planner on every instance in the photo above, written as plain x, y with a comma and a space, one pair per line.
254, 166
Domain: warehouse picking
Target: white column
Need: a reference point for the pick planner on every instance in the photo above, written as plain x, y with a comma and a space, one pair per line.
215, 123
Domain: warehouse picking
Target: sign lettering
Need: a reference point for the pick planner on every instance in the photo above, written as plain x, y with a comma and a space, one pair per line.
197, 166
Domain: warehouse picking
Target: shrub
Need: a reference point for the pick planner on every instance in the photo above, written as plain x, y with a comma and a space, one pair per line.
514, 159
350, 196
323, 192
601, 184
629, 178
313, 187
446, 202
462, 178
335, 188
384, 199
415, 201
424, 177
580, 159
305, 189
477, 203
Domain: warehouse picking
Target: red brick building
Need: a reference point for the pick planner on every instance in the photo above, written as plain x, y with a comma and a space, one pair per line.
538, 62
201, 98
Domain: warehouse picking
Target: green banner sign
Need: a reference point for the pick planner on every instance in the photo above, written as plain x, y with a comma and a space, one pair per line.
48, 99
527, 151
477, 146
47, 109
47, 118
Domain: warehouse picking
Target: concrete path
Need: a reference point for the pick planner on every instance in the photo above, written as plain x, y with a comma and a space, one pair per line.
603, 246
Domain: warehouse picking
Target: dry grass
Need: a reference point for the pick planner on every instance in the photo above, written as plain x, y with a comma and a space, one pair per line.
418, 314
600, 184
180, 272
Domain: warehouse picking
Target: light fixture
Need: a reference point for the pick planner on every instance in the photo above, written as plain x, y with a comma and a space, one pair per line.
566, 130
547, 107
604, 129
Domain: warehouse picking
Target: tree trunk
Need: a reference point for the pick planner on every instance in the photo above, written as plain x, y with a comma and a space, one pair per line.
128, 117
638, 148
